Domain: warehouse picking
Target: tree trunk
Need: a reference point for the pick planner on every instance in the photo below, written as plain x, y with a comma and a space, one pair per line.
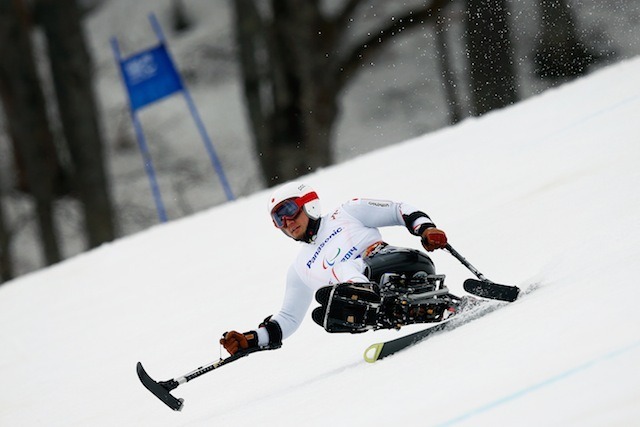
24, 106
559, 52
72, 77
251, 37
6, 264
492, 70
306, 42
446, 71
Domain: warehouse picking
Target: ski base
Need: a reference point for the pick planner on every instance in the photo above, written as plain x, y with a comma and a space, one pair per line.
158, 390
486, 289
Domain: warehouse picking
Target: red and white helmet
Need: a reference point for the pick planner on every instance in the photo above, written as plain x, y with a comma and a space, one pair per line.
303, 196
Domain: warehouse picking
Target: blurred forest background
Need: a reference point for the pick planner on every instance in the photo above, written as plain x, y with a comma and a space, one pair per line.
285, 87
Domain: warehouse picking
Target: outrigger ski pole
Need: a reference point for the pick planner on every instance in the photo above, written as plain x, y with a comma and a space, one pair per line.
484, 287
162, 389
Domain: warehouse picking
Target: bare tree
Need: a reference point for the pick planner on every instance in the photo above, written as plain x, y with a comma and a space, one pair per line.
71, 70
491, 64
296, 59
27, 122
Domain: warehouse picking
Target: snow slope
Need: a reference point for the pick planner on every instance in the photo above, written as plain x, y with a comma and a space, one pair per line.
542, 195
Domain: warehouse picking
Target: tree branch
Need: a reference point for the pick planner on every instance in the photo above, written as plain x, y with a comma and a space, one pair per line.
341, 19
372, 44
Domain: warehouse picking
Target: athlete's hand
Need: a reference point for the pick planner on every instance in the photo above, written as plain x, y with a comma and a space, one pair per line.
233, 341
433, 238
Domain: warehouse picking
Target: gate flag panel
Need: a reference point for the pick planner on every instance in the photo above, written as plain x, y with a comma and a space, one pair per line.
148, 77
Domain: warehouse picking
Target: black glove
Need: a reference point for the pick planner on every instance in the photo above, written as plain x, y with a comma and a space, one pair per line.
234, 341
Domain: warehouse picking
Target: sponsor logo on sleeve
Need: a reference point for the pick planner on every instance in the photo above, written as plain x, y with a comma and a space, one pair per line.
378, 203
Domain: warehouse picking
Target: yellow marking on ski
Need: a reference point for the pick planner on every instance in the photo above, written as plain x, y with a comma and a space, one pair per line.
375, 349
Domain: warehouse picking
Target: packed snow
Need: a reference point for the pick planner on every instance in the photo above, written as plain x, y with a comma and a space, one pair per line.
543, 195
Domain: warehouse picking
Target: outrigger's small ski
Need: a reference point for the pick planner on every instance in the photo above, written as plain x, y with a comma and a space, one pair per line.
484, 287
162, 389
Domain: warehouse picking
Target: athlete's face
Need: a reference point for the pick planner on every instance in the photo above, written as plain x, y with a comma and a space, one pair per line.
296, 227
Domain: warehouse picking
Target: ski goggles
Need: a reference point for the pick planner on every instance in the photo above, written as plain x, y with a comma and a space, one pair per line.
290, 208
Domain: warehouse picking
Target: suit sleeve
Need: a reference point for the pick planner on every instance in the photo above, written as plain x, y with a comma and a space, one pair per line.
382, 213
297, 298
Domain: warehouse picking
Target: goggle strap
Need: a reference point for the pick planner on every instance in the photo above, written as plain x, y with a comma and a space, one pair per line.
301, 201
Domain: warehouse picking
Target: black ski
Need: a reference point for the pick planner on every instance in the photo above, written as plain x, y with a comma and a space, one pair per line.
381, 350
486, 289
473, 310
